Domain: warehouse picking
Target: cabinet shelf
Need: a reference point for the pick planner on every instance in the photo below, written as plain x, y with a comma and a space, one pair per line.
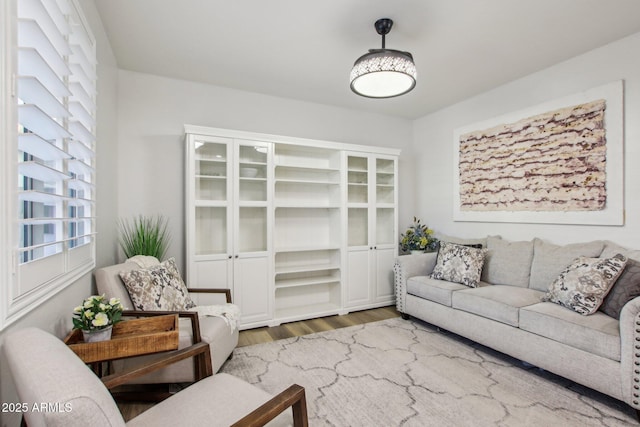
218, 177
306, 182
313, 281
307, 311
307, 268
294, 205
221, 161
310, 248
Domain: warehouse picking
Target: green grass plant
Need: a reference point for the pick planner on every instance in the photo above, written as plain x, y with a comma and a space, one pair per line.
144, 235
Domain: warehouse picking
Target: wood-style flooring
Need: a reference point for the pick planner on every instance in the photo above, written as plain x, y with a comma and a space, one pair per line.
304, 327
287, 330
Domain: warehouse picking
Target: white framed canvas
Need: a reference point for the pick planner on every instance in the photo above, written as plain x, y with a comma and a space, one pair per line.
558, 162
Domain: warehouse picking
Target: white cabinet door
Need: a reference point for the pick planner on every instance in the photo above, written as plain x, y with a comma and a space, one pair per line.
252, 290
359, 277
384, 285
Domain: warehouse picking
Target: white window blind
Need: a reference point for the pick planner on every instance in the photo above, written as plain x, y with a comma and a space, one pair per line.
56, 93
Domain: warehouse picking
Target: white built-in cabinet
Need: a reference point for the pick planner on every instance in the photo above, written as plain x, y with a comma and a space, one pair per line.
296, 228
228, 217
372, 242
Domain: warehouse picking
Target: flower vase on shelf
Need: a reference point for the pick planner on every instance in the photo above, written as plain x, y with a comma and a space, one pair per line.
97, 335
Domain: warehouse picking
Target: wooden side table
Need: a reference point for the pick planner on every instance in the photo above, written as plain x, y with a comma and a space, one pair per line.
129, 338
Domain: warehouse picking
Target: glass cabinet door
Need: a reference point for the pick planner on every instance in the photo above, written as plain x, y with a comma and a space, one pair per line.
252, 194
357, 200
210, 171
211, 193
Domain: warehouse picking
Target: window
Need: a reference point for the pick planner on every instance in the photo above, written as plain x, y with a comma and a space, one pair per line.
54, 85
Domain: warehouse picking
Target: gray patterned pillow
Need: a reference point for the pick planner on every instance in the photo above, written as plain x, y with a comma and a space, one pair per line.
459, 264
157, 288
626, 288
583, 285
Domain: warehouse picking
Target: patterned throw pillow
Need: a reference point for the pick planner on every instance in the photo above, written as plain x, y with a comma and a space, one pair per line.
626, 288
459, 264
157, 288
583, 285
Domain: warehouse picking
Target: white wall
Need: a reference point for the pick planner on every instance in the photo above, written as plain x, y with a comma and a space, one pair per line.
433, 143
152, 112
55, 314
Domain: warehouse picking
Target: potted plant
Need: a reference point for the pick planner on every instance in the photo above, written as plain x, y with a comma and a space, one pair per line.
418, 238
96, 317
144, 235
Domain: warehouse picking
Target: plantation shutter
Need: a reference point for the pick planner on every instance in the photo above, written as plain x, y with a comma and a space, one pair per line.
56, 90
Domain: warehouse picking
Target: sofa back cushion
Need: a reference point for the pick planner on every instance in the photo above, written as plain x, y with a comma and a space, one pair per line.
109, 283
477, 243
507, 263
627, 287
550, 260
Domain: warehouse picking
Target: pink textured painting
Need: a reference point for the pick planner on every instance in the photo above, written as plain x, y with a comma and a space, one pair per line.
554, 161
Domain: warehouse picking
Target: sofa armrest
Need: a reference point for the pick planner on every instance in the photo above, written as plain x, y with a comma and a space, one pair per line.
226, 292
630, 352
407, 266
293, 397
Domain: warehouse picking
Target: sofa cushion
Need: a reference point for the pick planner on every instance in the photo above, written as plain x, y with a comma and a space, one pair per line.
583, 285
549, 260
507, 263
482, 242
157, 288
458, 263
611, 248
598, 334
496, 302
432, 289
626, 288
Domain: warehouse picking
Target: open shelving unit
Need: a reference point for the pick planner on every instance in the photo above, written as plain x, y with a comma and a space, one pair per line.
307, 201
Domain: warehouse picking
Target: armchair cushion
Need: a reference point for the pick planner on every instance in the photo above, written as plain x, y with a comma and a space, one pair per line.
196, 406
213, 330
159, 287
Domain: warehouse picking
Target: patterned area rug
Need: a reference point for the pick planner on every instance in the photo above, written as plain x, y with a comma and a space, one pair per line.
407, 373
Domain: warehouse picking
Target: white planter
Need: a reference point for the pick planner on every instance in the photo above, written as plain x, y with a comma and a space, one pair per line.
97, 335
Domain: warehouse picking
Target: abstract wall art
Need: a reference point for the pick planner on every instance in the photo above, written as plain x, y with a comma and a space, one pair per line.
558, 162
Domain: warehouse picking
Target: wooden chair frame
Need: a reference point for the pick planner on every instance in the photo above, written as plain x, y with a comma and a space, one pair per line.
293, 397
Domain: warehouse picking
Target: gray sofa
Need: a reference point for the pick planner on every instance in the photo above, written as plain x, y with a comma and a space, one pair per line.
505, 312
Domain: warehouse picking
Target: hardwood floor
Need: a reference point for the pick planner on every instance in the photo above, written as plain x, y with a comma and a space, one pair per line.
304, 327
294, 329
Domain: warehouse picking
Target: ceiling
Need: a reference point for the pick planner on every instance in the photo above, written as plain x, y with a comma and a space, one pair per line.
304, 50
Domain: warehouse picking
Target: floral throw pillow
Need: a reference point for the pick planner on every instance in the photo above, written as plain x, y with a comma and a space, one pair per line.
584, 284
159, 287
459, 264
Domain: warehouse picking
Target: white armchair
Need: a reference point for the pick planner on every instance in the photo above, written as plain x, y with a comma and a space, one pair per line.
46, 372
193, 329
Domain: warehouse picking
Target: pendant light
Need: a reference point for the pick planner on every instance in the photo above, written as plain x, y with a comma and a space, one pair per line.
383, 73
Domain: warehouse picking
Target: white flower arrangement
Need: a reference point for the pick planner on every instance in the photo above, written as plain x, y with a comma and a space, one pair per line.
97, 313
